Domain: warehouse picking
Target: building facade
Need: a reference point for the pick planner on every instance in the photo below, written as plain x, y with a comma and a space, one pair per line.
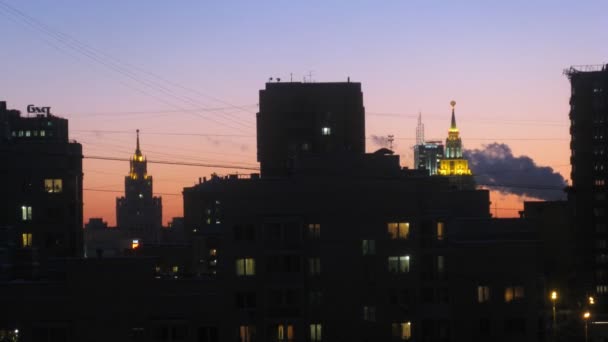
589, 159
139, 213
428, 155
42, 176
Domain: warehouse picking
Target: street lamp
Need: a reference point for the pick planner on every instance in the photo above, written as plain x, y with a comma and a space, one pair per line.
586, 317
591, 300
553, 301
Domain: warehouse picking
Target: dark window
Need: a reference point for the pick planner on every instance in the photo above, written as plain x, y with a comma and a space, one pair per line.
208, 334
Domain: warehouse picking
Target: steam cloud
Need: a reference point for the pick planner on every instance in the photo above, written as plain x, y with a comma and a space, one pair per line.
495, 164
381, 141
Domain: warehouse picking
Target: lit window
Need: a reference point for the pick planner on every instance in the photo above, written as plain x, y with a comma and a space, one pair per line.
399, 264
42, 133
600, 289
369, 247
326, 130
20, 133
514, 293
369, 313
28, 133
284, 333
316, 332
314, 266
440, 230
483, 294
245, 267
135, 244
175, 269
314, 230
246, 333
53, 185
402, 331
26, 240
26, 213
398, 230
213, 252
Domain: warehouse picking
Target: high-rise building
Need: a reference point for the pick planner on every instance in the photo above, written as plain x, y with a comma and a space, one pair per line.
139, 213
297, 119
453, 163
428, 156
41, 182
589, 160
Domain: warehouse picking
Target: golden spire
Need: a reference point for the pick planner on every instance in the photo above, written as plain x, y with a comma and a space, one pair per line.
453, 127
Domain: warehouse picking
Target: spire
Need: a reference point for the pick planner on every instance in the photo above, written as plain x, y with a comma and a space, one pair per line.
453, 126
137, 150
420, 130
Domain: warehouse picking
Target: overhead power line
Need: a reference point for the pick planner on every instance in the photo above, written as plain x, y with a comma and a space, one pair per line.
113, 64
167, 162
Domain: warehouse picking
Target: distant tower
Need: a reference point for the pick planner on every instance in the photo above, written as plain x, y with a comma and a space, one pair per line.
420, 131
426, 153
453, 164
139, 213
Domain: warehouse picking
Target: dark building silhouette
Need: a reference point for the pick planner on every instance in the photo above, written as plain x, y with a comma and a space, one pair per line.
139, 213
41, 179
589, 159
342, 245
297, 119
332, 245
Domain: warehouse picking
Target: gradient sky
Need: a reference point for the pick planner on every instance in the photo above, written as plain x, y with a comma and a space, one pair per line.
193, 67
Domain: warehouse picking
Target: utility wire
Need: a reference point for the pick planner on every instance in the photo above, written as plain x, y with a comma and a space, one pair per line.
92, 54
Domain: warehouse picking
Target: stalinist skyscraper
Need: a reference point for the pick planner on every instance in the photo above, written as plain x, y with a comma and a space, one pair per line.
139, 213
454, 165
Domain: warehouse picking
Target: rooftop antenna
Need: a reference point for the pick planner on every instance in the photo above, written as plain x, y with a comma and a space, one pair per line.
390, 140
291, 77
310, 76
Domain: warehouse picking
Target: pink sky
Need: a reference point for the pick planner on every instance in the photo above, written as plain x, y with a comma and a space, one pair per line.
197, 68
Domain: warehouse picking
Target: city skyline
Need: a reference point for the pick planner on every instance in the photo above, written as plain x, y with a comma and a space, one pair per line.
134, 75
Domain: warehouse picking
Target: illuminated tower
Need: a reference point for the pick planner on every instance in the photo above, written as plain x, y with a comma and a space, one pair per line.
139, 213
453, 164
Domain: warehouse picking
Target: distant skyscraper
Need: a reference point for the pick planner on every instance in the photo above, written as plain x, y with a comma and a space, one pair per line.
453, 164
139, 213
589, 153
420, 131
427, 154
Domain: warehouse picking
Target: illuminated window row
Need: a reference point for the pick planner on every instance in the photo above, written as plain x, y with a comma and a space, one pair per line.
511, 294
401, 230
31, 133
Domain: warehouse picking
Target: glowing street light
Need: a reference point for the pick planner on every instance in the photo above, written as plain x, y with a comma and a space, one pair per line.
591, 300
586, 317
553, 301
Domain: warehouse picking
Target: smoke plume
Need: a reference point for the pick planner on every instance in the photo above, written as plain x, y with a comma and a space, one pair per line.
379, 140
495, 166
